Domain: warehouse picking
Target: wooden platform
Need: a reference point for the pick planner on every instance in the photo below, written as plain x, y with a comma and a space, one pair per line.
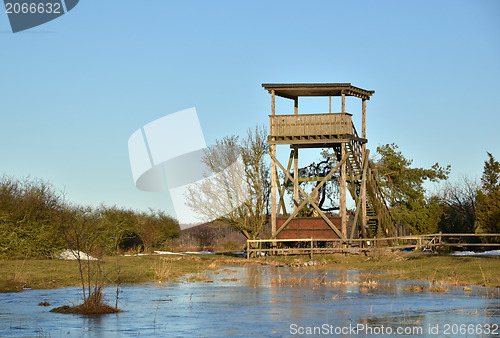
313, 129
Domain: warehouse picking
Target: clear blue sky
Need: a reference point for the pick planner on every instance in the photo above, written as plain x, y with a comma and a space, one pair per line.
74, 90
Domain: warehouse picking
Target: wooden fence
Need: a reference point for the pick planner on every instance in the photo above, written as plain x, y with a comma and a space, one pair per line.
320, 246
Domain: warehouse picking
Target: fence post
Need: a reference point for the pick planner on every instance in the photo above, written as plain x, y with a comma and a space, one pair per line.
248, 249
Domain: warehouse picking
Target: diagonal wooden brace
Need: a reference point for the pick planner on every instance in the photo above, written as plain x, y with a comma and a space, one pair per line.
308, 198
281, 188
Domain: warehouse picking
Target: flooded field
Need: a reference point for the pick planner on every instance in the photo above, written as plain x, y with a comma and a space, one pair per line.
263, 301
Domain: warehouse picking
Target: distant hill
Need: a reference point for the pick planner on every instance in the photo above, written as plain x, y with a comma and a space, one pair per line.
213, 236
189, 225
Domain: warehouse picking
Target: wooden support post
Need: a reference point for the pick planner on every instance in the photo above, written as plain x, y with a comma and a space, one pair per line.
296, 161
342, 202
274, 177
330, 104
295, 177
363, 118
273, 173
312, 247
364, 219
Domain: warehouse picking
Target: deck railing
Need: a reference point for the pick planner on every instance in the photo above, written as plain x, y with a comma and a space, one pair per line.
310, 125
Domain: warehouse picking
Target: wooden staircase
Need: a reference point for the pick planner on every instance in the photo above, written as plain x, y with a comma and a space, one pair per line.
379, 219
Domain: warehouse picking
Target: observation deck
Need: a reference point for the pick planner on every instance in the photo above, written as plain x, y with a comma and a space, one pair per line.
312, 129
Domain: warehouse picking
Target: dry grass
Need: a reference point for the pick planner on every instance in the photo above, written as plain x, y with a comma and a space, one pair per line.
93, 305
199, 277
437, 288
452, 270
162, 268
53, 273
415, 288
291, 281
213, 266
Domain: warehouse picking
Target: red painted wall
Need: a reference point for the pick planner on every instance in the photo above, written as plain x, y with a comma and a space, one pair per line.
301, 228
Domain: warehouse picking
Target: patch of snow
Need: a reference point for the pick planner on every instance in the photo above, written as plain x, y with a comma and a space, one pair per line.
472, 253
168, 253
69, 254
201, 252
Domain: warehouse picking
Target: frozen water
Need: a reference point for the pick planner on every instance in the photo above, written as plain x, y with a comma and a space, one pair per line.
255, 301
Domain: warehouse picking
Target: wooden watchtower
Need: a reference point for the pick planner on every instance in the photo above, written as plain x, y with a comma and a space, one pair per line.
336, 131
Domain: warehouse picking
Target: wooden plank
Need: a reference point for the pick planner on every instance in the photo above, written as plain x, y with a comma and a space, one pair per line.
320, 143
310, 179
313, 143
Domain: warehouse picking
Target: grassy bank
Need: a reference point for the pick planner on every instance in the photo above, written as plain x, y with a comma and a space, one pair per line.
18, 274
52, 273
452, 270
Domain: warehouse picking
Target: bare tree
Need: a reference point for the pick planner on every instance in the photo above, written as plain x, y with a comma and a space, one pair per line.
459, 206
82, 232
236, 187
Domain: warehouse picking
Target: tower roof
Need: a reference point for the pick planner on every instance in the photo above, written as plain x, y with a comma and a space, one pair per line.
294, 90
